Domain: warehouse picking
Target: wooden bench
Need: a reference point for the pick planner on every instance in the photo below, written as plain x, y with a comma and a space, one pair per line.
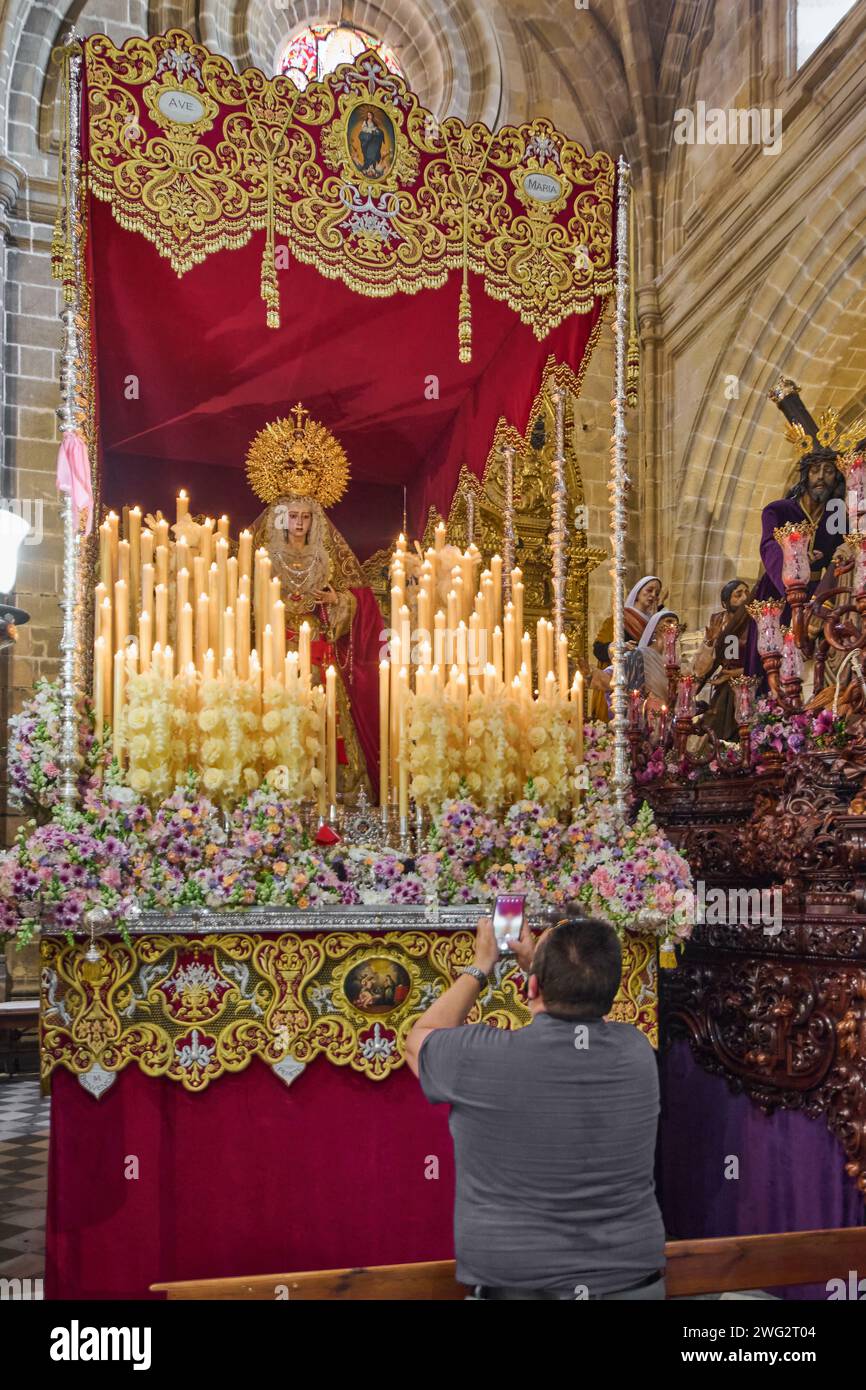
17, 1018
723, 1265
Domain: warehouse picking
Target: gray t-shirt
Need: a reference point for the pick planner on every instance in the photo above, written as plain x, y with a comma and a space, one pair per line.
554, 1145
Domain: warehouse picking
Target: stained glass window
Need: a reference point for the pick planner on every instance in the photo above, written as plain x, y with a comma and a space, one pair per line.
815, 20
320, 48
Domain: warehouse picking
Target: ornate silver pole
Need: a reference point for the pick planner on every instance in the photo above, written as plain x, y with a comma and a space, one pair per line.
70, 416
558, 512
508, 543
619, 486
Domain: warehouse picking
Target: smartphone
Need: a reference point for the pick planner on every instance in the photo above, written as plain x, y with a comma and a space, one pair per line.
508, 916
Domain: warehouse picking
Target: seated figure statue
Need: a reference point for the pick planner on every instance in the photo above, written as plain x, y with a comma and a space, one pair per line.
645, 668
720, 657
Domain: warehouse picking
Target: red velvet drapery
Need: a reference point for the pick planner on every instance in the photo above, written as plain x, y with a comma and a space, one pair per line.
188, 373
250, 1177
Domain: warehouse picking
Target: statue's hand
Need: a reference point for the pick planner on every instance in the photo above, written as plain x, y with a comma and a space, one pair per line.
327, 595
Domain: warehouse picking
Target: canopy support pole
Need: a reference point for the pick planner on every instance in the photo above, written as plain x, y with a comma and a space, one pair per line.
619, 486
70, 415
558, 520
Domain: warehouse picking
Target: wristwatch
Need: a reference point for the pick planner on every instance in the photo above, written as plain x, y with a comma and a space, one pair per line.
476, 972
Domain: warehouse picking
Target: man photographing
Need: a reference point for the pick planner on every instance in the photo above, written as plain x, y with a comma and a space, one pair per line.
554, 1125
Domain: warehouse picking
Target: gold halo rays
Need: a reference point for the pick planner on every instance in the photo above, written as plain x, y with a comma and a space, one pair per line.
299, 458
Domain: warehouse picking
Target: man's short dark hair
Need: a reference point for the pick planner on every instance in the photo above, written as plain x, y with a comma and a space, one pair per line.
578, 966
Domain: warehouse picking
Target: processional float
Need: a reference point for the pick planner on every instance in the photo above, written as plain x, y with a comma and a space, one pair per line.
246, 282
228, 245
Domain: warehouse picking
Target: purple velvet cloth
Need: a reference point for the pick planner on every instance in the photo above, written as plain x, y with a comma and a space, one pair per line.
791, 1169
770, 583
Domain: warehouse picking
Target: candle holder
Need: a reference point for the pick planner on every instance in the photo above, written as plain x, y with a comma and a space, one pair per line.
684, 712
670, 638
744, 714
405, 838
767, 613
795, 539
854, 468
858, 581
635, 744
686, 696
664, 726
635, 711
791, 670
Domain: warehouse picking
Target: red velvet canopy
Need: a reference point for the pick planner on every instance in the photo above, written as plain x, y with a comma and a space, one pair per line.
209, 374
187, 370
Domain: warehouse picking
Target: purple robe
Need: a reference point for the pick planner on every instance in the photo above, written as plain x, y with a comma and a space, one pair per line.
770, 583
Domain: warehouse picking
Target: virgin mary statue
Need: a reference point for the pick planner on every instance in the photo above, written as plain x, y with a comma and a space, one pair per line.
299, 469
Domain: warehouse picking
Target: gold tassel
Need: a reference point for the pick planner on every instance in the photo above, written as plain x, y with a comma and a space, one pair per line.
270, 290
632, 359
668, 954
464, 325
464, 313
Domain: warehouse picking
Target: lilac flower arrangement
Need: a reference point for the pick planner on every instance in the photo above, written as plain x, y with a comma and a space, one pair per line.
598, 760
830, 730
531, 840
57, 873
775, 731
33, 760
384, 876
791, 734
633, 878
118, 854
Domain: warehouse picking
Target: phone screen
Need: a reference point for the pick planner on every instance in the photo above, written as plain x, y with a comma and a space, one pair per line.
508, 915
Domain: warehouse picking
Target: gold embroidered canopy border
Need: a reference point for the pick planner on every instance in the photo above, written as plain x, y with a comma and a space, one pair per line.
352, 174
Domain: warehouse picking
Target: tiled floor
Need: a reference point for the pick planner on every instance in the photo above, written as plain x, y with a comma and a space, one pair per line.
24, 1119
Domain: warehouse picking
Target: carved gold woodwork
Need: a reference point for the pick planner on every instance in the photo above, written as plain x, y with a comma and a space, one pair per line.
533, 480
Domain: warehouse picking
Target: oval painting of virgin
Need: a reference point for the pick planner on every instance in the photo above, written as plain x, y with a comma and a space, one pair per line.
377, 985
372, 141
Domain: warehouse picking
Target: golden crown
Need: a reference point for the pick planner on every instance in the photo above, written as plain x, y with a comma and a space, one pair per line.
829, 434
299, 458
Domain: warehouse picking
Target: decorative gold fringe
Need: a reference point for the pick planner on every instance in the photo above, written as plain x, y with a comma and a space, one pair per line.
632, 359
